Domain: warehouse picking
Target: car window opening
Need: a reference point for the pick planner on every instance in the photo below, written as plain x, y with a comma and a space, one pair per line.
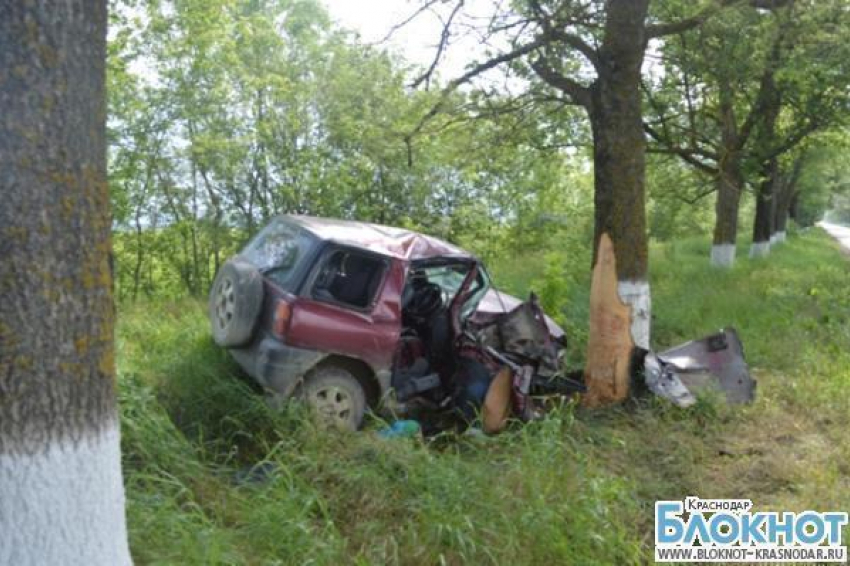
425, 349
349, 278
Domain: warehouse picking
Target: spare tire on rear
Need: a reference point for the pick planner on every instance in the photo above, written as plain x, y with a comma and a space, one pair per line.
235, 300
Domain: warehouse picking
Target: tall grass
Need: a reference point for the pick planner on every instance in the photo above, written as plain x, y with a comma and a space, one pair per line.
577, 487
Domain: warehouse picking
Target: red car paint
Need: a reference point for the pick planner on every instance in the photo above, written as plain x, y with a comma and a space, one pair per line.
370, 336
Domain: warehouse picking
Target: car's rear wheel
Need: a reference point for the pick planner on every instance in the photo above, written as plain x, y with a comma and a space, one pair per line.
234, 305
336, 397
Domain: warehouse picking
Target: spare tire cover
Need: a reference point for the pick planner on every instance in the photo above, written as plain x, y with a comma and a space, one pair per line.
235, 300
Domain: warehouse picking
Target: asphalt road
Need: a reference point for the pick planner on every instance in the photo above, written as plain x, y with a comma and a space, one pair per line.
840, 233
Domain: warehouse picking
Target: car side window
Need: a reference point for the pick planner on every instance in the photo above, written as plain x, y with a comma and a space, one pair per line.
349, 278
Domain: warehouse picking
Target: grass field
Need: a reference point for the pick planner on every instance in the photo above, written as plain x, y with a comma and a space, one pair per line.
575, 488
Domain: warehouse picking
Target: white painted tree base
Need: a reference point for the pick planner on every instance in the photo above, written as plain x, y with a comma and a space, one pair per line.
778, 238
760, 249
637, 295
723, 255
65, 505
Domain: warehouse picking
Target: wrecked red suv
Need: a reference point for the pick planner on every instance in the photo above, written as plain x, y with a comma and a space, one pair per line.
351, 316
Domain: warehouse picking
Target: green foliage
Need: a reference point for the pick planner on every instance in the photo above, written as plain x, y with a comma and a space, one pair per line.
825, 180
744, 88
225, 113
681, 201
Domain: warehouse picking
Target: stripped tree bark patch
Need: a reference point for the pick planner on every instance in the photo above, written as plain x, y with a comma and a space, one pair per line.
609, 345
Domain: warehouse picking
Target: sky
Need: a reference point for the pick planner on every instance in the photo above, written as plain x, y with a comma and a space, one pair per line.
417, 40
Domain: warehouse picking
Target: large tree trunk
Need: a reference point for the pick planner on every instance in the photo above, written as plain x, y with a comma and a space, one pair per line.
765, 195
780, 211
730, 181
794, 207
62, 496
765, 210
619, 156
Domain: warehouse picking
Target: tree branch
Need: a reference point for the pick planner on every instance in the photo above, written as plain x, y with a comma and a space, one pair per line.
441, 47
665, 137
685, 24
471, 74
698, 197
689, 155
578, 92
427, 5
794, 139
576, 43
556, 32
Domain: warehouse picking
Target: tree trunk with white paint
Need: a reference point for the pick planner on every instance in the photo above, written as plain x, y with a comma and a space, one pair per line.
766, 192
765, 211
61, 491
619, 157
786, 193
780, 212
613, 103
729, 183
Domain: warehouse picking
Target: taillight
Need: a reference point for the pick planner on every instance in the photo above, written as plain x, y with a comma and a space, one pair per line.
282, 314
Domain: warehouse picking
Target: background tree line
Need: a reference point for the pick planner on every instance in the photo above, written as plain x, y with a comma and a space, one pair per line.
225, 113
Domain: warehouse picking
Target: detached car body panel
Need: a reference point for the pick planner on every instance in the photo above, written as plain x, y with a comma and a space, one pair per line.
715, 362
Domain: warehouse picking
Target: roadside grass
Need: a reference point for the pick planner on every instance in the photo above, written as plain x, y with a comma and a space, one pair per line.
575, 488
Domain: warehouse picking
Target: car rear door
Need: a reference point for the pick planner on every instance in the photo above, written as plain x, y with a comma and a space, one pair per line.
351, 305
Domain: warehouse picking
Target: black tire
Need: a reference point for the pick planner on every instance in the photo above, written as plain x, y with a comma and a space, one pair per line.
234, 305
336, 397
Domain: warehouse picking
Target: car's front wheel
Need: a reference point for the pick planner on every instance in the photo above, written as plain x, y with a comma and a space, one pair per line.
336, 397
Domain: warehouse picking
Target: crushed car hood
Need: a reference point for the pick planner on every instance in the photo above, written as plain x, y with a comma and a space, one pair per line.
496, 302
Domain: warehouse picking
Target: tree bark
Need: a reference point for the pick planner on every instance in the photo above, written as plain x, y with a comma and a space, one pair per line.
780, 210
786, 194
765, 210
770, 105
60, 477
619, 156
729, 182
140, 254
794, 207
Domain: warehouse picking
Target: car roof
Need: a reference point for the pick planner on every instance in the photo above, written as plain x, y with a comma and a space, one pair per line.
394, 242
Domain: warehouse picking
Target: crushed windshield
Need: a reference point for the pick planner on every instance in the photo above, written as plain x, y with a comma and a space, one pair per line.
450, 277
